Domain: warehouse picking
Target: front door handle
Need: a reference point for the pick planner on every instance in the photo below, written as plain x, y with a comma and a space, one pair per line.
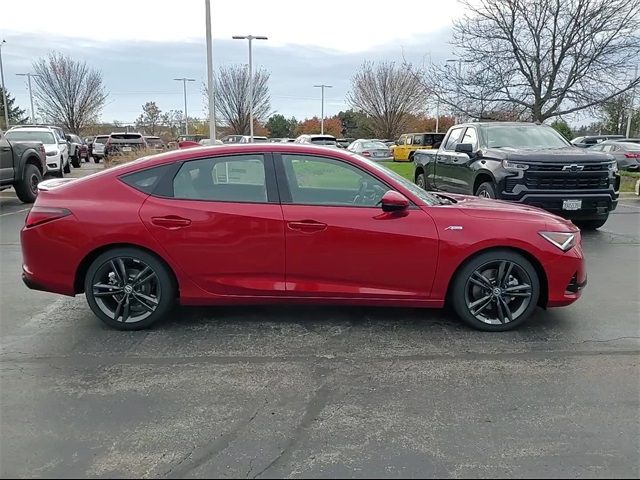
307, 226
172, 222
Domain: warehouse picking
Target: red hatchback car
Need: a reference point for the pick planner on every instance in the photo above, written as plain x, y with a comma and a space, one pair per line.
288, 223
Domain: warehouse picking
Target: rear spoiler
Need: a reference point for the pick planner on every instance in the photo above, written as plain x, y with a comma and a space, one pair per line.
54, 183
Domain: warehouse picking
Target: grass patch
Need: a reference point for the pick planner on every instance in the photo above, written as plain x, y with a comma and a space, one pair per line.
628, 181
401, 168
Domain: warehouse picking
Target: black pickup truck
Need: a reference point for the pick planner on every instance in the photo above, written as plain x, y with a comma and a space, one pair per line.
22, 166
523, 162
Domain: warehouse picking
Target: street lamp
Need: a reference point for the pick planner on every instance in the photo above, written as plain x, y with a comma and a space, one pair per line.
323, 86
4, 92
251, 38
29, 75
210, 83
184, 86
631, 100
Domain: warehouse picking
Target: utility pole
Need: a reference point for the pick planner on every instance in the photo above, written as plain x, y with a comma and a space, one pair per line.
251, 38
631, 100
186, 116
322, 87
4, 91
437, 115
210, 82
32, 119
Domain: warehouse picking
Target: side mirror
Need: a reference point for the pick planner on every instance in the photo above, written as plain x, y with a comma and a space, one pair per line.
464, 148
393, 201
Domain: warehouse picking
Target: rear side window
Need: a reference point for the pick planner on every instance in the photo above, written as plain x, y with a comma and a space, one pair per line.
238, 178
101, 140
146, 180
127, 137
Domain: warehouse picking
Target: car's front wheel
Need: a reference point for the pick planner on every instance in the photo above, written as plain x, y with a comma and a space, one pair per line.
420, 181
66, 166
496, 291
486, 190
129, 289
75, 161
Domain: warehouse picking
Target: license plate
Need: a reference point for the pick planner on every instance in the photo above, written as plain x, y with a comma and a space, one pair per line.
126, 149
571, 204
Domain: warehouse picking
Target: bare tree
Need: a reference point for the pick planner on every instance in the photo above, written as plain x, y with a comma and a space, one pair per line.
150, 118
68, 92
539, 58
232, 92
387, 93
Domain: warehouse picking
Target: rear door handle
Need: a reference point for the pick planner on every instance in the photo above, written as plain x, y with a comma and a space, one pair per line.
307, 226
172, 222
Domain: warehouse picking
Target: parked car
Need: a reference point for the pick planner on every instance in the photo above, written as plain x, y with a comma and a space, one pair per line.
326, 140
193, 226
256, 139
89, 143
122, 142
628, 140
344, 142
232, 138
155, 143
372, 149
205, 142
97, 149
408, 143
75, 149
627, 154
56, 146
590, 140
526, 163
22, 166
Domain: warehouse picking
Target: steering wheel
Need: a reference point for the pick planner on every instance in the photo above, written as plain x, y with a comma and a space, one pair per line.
360, 196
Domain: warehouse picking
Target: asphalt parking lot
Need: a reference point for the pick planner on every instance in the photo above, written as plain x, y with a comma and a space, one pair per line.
324, 392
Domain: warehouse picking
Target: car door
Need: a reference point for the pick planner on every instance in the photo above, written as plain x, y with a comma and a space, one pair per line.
339, 242
220, 220
462, 176
6, 160
447, 158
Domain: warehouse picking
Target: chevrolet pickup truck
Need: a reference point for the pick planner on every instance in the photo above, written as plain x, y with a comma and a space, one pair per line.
527, 163
22, 166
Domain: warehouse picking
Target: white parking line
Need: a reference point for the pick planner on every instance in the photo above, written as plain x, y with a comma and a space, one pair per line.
13, 213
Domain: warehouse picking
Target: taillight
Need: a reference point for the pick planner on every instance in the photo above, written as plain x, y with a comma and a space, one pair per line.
632, 155
366, 154
40, 215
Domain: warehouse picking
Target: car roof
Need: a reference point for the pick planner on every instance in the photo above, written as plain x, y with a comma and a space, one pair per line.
30, 127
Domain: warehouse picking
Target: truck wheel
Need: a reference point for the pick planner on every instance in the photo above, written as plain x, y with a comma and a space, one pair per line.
486, 190
420, 181
95, 159
67, 167
591, 224
411, 157
27, 189
75, 161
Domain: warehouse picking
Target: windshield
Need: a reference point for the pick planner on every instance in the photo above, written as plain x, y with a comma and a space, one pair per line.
523, 136
30, 136
101, 140
323, 141
154, 141
374, 145
426, 197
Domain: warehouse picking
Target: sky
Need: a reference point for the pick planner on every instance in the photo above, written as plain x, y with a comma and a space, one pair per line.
140, 46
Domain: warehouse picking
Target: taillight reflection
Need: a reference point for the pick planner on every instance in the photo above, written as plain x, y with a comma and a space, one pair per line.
40, 215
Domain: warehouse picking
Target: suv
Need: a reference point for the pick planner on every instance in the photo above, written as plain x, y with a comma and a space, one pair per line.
155, 143
22, 166
408, 143
55, 144
526, 163
326, 140
97, 147
76, 145
119, 143
586, 142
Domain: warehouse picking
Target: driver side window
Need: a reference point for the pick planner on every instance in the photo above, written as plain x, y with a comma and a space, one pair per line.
325, 181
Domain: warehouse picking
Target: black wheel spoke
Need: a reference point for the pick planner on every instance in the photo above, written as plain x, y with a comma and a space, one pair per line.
500, 275
483, 302
500, 311
507, 310
144, 305
517, 294
150, 300
125, 314
518, 288
123, 271
143, 272
116, 314
108, 294
507, 274
116, 272
480, 280
145, 279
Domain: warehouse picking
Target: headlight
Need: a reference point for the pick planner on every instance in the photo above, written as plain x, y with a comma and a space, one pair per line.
52, 154
563, 240
514, 166
613, 166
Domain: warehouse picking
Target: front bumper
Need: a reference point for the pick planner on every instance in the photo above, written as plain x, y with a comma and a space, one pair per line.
593, 204
566, 278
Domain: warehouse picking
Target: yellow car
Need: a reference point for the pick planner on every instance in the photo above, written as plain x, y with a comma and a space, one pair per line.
408, 143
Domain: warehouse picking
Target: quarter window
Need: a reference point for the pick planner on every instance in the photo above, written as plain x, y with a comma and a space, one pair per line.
239, 178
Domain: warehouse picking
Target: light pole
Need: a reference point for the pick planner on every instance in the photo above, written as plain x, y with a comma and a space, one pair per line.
4, 92
460, 62
186, 116
322, 86
631, 100
251, 38
29, 75
210, 84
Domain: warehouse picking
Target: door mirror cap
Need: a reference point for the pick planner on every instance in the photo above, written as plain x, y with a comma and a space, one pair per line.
464, 148
393, 201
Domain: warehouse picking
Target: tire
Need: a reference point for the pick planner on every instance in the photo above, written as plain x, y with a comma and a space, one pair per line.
67, 167
96, 159
410, 157
486, 190
27, 189
592, 224
60, 172
160, 288
420, 181
75, 161
490, 298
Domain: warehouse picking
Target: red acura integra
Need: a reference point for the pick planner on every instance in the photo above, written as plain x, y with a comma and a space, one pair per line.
288, 223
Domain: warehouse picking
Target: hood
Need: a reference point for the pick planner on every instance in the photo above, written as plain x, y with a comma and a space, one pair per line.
501, 210
551, 155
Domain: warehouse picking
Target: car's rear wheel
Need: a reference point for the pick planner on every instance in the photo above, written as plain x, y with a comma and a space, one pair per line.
75, 161
486, 190
27, 189
592, 224
96, 159
129, 289
496, 291
66, 167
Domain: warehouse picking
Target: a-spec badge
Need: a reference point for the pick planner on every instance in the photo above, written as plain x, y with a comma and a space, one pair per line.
454, 227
